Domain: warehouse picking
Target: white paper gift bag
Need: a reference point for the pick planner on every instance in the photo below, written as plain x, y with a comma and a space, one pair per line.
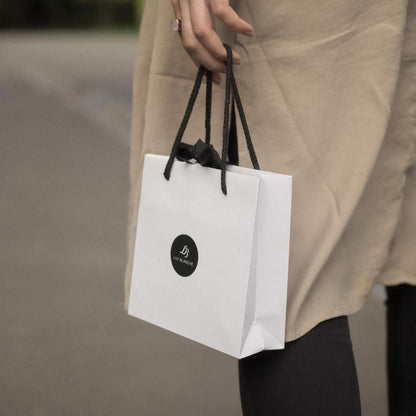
212, 266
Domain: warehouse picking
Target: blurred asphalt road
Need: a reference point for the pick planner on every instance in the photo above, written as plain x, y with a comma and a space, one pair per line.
67, 346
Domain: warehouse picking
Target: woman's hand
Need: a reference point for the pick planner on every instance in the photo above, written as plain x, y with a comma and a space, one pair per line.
198, 34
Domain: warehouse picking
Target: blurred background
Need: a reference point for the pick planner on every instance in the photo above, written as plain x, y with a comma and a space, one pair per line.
67, 346
49, 14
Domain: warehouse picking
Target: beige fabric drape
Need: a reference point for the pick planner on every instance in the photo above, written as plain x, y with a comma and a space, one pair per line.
329, 88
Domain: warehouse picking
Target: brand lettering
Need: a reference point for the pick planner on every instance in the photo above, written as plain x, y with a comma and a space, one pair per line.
181, 260
183, 255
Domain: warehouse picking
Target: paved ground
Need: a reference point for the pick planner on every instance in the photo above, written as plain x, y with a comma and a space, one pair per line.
68, 348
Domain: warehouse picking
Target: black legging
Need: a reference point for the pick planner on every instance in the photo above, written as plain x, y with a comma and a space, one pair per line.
316, 374
401, 349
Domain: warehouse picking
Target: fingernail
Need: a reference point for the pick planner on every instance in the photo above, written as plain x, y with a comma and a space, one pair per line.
249, 33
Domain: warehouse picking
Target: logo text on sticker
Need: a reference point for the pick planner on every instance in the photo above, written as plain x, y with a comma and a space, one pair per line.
184, 255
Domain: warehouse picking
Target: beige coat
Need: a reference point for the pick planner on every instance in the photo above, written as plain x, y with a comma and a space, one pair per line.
329, 88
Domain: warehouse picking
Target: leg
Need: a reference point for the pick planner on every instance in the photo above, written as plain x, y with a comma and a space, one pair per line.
401, 349
315, 375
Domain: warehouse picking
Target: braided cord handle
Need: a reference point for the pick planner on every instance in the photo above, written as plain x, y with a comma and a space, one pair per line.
230, 83
243, 119
232, 151
184, 123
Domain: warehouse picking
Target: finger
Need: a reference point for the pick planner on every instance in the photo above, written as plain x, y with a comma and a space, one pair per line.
202, 27
216, 77
176, 9
212, 16
195, 49
224, 12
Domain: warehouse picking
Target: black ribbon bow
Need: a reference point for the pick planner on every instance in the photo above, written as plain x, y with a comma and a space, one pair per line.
200, 152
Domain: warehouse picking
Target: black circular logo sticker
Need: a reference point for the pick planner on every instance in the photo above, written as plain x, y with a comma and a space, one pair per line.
184, 255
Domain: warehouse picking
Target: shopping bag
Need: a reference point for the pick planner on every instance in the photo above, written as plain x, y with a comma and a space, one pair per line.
212, 266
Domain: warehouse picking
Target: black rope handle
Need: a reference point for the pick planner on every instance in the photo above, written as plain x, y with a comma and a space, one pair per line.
208, 103
184, 123
233, 141
225, 132
243, 119
230, 83
230, 86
